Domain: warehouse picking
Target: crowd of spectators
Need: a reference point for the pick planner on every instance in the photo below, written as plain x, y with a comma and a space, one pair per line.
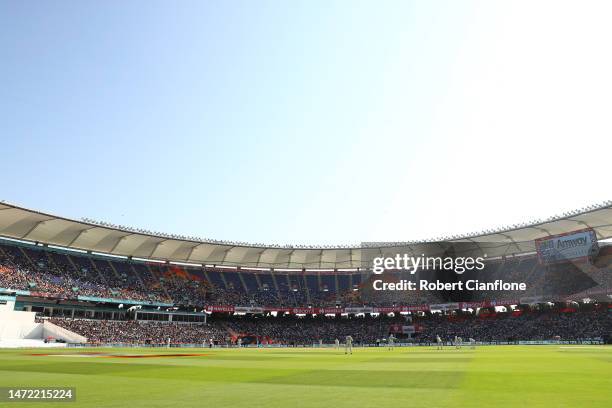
292, 330
298, 330
55, 274
527, 326
44, 275
137, 332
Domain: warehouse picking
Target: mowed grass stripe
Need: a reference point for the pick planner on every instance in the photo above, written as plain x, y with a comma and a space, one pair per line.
367, 378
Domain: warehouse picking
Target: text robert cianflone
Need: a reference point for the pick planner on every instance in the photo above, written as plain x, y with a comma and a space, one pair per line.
411, 264
437, 285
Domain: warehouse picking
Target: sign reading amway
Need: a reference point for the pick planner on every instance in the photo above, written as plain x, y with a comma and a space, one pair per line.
568, 246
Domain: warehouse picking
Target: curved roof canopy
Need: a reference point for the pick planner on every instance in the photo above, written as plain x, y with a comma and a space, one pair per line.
29, 225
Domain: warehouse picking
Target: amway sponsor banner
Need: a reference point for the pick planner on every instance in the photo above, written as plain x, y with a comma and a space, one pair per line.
569, 246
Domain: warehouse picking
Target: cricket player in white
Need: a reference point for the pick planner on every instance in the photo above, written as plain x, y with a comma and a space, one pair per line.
391, 342
472, 343
348, 345
337, 342
439, 343
457, 342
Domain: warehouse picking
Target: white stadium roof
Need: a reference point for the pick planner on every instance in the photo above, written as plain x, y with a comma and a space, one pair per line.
103, 238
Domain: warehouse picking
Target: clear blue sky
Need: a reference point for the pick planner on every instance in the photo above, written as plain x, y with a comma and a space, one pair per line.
305, 121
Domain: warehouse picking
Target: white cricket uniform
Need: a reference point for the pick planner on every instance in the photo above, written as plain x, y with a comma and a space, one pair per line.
391, 342
457, 342
348, 345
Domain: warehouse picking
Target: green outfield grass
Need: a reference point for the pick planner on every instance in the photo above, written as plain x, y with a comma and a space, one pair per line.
503, 376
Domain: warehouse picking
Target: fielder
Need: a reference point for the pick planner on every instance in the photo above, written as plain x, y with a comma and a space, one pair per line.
458, 341
348, 345
337, 343
439, 343
391, 342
